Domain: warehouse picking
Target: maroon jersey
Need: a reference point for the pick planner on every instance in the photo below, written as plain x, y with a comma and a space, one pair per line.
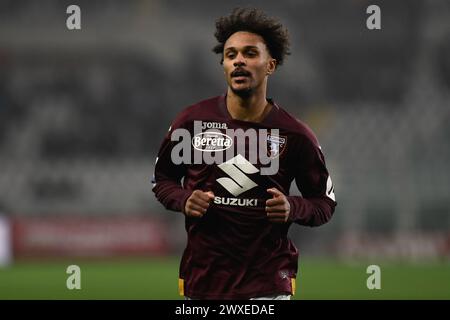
233, 251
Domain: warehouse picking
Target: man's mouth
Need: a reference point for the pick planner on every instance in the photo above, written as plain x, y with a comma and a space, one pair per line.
240, 74
240, 79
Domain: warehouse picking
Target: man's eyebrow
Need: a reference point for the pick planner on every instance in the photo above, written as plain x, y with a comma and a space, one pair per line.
246, 48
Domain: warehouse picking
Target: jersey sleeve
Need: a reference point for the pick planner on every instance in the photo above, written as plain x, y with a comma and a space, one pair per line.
167, 177
317, 203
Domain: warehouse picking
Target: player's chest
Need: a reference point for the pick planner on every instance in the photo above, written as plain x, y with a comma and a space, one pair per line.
220, 141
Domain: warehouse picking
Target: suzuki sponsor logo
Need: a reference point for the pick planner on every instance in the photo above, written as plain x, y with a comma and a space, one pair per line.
236, 202
238, 182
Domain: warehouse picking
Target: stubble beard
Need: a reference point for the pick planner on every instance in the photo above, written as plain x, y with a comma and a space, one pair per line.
243, 93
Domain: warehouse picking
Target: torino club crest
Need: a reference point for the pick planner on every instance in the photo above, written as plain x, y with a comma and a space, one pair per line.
275, 145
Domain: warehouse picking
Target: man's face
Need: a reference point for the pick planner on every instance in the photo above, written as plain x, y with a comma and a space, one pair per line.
246, 62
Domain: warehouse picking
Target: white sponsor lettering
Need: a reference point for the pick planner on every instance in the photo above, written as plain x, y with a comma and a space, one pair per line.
211, 141
236, 202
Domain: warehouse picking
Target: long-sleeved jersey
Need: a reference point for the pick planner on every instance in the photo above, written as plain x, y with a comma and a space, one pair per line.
233, 251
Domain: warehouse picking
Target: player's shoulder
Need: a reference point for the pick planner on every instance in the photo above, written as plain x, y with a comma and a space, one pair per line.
197, 111
295, 126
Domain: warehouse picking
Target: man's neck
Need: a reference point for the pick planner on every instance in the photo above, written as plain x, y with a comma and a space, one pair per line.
254, 108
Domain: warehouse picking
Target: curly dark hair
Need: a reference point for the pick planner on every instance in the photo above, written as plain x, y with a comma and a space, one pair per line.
255, 21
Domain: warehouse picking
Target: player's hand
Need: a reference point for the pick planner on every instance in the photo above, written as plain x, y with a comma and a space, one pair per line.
278, 207
198, 203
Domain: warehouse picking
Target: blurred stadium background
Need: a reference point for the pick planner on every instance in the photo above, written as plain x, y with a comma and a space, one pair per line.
82, 114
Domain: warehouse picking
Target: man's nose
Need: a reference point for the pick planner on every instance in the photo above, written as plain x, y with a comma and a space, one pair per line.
239, 60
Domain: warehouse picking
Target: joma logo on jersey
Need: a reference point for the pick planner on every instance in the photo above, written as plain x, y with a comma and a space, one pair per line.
213, 125
236, 202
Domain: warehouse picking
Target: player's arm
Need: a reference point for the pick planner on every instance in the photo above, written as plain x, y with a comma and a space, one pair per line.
167, 178
317, 203
167, 185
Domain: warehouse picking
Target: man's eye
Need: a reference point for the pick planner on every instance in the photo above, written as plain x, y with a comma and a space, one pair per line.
251, 53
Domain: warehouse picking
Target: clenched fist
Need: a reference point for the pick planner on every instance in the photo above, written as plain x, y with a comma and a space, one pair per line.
197, 204
278, 207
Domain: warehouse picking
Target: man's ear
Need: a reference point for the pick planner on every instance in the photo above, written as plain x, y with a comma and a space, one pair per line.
271, 66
